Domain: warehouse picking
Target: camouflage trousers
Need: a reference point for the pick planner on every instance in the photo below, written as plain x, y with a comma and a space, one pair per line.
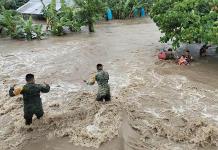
30, 110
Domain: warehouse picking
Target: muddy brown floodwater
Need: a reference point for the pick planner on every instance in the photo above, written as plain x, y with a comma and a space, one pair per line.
155, 105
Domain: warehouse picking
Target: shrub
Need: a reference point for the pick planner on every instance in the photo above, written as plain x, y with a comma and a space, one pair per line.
16, 27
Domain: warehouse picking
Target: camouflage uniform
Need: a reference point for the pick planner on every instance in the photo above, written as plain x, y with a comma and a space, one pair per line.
102, 78
31, 99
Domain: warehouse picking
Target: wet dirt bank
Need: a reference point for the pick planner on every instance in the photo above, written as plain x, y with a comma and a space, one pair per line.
166, 106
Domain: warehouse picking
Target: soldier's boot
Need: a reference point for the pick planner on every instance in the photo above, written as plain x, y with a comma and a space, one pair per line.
107, 98
39, 114
28, 121
99, 98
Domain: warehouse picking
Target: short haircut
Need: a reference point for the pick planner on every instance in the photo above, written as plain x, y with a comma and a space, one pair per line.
29, 77
170, 49
99, 66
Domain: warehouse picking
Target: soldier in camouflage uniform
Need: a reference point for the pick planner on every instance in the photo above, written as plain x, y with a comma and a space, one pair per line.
102, 78
31, 98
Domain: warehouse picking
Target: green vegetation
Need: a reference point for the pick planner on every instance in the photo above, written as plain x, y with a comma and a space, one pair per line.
121, 9
124, 8
12, 4
180, 21
90, 11
187, 21
12, 24
66, 18
86, 12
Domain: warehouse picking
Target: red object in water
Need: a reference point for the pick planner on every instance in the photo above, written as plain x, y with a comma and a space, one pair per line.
162, 55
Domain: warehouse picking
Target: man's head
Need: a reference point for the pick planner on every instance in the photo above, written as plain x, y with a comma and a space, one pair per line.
170, 49
99, 67
187, 52
30, 78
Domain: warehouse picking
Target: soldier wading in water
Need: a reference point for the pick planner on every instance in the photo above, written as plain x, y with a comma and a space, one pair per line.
102, 78
31, 98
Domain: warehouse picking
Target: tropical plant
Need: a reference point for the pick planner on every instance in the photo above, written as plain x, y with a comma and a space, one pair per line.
137, 4
49, 13
67, 17
121, 9
125, 8
54, 21
12, 4
30, 30
8, 4
71, 18
90, 11
8, 21
20, 2
187, 21
38, 32
16, 27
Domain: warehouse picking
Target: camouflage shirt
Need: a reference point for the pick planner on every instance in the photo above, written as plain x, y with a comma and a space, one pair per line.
31, 95
102, 78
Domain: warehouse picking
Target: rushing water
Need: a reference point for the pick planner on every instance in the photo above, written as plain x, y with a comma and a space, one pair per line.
155, 105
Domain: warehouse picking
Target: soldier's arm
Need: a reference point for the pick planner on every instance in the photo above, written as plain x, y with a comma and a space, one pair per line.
15, 91
108, 77
44, 88
92, 80
11, 92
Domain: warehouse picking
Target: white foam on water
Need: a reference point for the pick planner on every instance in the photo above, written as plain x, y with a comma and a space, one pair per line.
179, 86
139, 78
93, 130
65, 87
178, 110
35, 61
192, 97
156, 78
177, 81
153, 112
177, 148
60, 90
118, 81
190, 101
211, 116
147, 123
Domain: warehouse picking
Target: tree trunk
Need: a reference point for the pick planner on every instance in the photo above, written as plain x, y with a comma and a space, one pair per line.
91, 27
1, 29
